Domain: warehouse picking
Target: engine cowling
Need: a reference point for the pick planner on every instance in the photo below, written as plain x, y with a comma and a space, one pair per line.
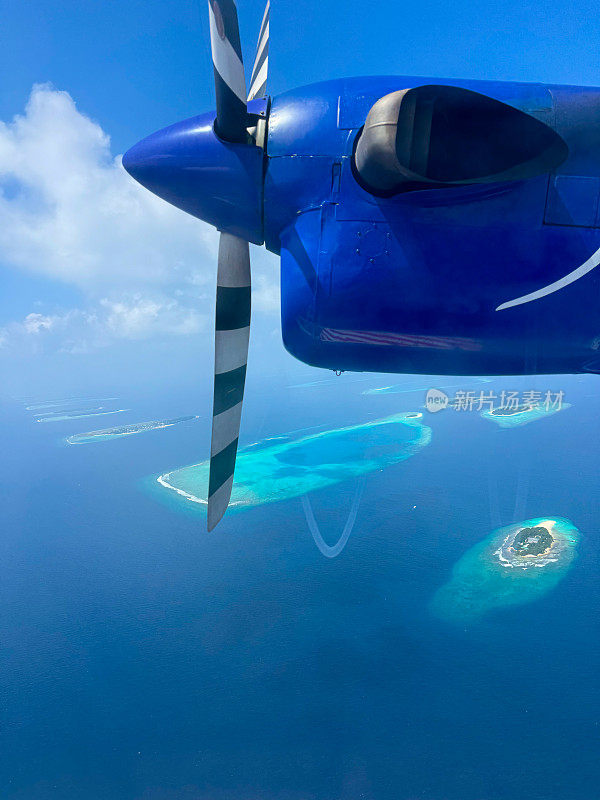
437, 136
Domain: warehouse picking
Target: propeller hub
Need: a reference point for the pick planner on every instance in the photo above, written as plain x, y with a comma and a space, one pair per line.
189, 166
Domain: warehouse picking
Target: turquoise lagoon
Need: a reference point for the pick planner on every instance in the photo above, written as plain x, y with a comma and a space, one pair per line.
497, 572
281, 467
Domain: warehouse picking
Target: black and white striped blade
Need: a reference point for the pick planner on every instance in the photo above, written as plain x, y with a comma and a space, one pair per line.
260, 71
230, 81
232, 331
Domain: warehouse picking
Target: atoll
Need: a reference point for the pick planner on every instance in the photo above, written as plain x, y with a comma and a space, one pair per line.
516, 564
282, 467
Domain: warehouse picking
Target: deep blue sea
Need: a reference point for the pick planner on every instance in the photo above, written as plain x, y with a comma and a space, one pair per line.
144, 659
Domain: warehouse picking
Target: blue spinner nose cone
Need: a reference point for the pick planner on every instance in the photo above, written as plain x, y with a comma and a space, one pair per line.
188, 165
130, 161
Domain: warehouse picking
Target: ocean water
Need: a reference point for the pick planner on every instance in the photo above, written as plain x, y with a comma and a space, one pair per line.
142, 658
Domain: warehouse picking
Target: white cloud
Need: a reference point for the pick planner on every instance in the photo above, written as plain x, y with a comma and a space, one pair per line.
266, 295
34, 323
70, 212
140, 317
78, 330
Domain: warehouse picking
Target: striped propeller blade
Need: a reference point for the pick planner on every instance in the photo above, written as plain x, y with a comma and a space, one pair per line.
260, 71
230, 81
232, 331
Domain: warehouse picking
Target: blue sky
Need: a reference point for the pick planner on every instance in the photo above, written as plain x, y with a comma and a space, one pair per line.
82, 285
137, 66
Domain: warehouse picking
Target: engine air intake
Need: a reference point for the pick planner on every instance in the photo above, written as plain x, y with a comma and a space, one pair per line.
437, 136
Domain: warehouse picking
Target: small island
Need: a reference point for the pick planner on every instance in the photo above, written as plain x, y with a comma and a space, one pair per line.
106, 434
514, 415
59, 416
516, 564
532, 542
69, 401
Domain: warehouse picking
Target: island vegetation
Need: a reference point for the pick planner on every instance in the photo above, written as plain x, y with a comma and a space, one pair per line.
532, 541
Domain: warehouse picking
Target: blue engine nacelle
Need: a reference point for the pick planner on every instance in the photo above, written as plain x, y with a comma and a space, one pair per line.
489, 277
